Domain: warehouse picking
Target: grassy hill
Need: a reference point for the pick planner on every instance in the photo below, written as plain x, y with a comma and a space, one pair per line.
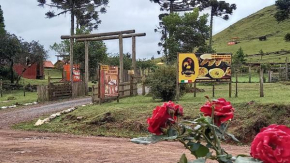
249, 29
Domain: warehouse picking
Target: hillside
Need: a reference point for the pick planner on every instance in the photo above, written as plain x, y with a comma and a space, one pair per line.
250, 29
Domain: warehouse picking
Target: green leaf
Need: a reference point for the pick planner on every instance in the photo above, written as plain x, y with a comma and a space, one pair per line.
247, 160
198, 150
233, 137
200, 160
152, 139
183, 159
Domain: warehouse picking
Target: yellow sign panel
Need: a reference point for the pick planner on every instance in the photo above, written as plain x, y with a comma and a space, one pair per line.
105, 67
188, 67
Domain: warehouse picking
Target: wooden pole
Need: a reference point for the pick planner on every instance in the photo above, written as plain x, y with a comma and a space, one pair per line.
269, 76
213, 89
261, 82
121, 58
134, 54
230, 89
236, 83
86, 67
71, 61
177, 79
1, 87
24, 91
98, 34
250, 76
286, 66
194, 87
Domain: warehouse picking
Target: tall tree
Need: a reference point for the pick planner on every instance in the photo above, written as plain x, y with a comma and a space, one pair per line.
187, 32
9, 47
31, 53
283, 13
218, 9
2, 25
283, 10
84, 10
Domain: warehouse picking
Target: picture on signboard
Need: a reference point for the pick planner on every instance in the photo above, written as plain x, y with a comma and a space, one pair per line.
109, 77
214, 67
188, 67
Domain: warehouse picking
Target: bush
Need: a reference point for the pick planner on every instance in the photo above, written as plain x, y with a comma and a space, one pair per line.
162, 83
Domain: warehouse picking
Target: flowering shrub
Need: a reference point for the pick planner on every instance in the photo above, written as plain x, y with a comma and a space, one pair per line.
272, 144
200, 135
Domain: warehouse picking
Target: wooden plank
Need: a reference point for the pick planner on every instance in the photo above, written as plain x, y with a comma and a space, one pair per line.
97, 34
111, 37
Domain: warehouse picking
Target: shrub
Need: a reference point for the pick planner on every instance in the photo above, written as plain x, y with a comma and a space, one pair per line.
162, 83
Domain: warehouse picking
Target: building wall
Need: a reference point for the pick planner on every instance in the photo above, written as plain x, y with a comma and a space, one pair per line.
31, 72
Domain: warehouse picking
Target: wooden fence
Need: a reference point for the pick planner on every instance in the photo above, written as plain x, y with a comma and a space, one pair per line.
126, 89
60, 90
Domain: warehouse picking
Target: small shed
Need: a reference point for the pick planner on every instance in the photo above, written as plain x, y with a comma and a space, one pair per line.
34, 71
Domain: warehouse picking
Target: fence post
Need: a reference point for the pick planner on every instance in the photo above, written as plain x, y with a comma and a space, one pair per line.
250, 76
131, 85
261, 82
194, 87
1, 88
286, 66
236, 95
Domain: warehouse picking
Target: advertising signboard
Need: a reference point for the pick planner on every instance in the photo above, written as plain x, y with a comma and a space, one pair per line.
109, 82
207, 67
76, 72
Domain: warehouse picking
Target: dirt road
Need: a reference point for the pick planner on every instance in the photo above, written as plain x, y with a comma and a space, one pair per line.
30, 147
10, 117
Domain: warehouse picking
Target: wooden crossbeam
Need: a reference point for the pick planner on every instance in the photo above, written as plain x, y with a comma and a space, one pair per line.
97, 34
111, 37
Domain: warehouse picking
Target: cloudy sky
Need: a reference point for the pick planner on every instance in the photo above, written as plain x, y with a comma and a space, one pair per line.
25, 19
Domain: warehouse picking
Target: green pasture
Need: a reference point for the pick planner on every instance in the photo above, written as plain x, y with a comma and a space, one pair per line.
19, 97
128, 117
249, 29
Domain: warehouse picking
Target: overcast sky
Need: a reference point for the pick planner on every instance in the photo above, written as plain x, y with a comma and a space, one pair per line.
25, 19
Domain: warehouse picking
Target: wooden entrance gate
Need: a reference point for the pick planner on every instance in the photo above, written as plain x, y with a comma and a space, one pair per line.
60, 90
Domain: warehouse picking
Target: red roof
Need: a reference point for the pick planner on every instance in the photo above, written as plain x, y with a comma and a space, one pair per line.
48, 64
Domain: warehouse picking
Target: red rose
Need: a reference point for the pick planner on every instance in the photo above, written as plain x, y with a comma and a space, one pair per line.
272, 144
162, 116
223, 110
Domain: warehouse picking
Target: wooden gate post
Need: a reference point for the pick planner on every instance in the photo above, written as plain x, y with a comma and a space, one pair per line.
121, 58
86, 67
134, 54
230, 89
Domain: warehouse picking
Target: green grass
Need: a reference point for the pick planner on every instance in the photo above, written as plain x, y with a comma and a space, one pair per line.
128, 118
258, 24
20, 98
